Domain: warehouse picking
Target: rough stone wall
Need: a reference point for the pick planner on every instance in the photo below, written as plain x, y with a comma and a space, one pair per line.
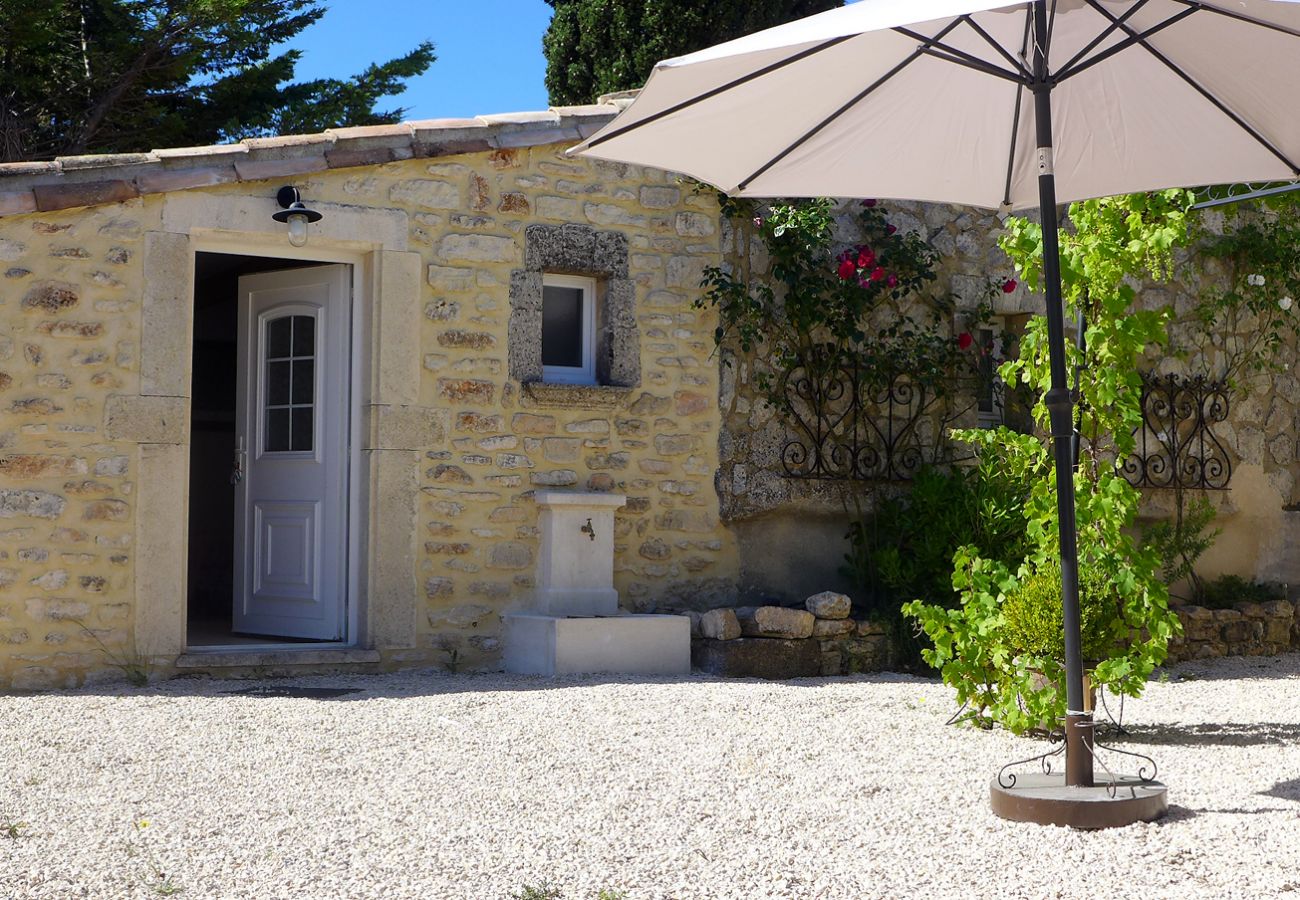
68, 347
791, 532
1248, 629
69, 341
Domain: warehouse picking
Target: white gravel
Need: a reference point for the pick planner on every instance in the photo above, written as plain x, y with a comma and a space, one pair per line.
436, 786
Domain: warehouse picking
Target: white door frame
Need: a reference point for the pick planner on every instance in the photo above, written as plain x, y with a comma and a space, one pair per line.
362, 295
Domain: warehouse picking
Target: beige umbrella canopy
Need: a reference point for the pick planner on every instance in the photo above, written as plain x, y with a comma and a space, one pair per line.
997, 105
854, 102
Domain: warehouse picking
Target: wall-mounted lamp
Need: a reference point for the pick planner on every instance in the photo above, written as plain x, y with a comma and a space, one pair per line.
295, 214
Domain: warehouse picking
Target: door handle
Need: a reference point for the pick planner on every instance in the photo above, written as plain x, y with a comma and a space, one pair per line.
237, 467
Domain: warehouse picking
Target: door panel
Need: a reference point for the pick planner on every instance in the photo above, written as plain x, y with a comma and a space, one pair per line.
291, 505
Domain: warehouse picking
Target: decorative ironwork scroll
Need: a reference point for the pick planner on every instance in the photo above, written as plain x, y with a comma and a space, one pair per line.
851, 423
1176, 445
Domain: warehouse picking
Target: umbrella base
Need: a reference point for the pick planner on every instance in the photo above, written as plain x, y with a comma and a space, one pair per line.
1046, 800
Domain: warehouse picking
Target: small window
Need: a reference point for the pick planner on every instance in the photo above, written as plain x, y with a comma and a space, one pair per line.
568, 329
992, 392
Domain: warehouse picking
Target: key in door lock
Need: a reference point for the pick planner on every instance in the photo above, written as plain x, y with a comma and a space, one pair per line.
237, 468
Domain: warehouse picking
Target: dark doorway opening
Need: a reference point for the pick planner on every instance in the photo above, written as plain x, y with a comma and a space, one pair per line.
214, 385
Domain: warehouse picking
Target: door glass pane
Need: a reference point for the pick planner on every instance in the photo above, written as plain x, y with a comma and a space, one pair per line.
562, 317
304, 336
290, 384
303, 380
301, 428
277, 429
277, 337
277, 382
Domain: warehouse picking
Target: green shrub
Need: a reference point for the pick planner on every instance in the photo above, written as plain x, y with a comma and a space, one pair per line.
1035, 620
1227, 590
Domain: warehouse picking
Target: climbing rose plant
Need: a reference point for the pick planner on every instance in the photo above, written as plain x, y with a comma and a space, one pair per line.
820, 306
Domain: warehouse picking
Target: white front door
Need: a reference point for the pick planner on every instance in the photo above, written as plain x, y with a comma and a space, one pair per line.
292, 428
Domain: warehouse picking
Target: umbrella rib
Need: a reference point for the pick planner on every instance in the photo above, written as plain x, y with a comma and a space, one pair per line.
780, 64
1016, 64
1067, 72
1114, 26
1015, 119
1240, 17
934, 47
913, 57
1196, 86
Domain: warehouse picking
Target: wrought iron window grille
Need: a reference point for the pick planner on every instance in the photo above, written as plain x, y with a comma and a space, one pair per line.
1176, 444
849, 422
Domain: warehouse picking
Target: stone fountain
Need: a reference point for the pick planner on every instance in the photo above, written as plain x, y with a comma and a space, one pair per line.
576, 625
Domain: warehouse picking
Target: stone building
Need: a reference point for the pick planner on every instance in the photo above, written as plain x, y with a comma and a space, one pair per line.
200, 417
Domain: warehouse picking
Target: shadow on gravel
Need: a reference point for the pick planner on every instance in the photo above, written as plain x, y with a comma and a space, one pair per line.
1226, 734
1178, 814
1285, 790
346, 687
1237, 668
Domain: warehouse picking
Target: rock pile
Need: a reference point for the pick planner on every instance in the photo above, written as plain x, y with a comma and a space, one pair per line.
1248, 629
783, 642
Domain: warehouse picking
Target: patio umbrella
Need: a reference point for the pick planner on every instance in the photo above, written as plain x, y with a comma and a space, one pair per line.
990, 104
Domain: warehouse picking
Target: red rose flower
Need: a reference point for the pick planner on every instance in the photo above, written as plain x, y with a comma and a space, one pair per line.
1008, 286
866, 259
877, 273
891, 229
847, 269
964, 340
892, 281
868, 203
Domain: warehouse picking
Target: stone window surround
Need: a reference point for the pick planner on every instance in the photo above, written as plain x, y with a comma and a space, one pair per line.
390, 434
573, 249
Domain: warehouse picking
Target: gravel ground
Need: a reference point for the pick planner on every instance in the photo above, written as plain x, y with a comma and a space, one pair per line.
437, 786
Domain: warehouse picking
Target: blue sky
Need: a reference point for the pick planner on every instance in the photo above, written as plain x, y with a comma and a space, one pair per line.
489, 51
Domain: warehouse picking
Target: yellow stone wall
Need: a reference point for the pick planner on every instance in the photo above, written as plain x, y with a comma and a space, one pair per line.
69, 339
69, 335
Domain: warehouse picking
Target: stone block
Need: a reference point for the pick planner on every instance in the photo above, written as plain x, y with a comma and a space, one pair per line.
720, 625
167, 316
866, 654
147, 420
622, 644
749, 657
828, 628
1198, 623
1243, 631
829, 605
868, 628
775, 622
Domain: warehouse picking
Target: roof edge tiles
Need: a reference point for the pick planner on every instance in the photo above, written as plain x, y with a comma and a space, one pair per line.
74, 181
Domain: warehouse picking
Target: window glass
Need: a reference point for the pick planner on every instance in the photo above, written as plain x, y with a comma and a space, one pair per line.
987, 372
290, 384
562, 321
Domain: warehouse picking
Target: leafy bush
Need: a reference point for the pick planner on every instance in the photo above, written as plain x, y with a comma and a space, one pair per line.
903, 549
1180, 541
1227, 590
1035, 618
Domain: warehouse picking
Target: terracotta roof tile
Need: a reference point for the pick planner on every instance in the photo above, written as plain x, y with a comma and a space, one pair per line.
14, 202
51, 197
104, 160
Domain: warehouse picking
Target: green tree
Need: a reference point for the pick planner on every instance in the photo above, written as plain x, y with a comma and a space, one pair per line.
103, 76
595, 47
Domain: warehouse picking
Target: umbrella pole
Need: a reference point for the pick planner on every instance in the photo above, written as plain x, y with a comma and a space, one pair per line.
1060, 407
